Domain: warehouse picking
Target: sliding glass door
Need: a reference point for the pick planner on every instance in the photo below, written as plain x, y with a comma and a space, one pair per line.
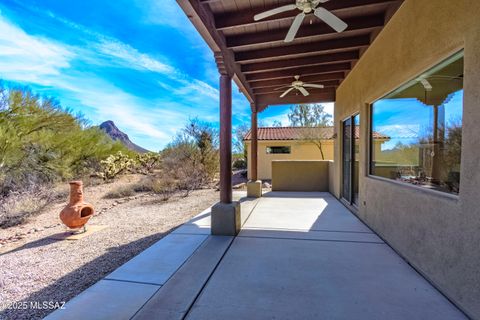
350, 159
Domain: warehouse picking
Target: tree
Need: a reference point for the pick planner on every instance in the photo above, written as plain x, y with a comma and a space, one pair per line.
206, 139
238, 144
311, 117
277, 124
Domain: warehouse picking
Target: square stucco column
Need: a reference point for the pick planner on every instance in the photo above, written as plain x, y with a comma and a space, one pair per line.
254, 186
225, 214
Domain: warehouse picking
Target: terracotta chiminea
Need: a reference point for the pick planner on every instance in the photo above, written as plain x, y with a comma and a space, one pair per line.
76, 214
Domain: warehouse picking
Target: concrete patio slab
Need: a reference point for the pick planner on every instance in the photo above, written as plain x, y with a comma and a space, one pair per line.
106, 299
174, 299
298, 256
300, 279
157, 263
304, 211
311, 235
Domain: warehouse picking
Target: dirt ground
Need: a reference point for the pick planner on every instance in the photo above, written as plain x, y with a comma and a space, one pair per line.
34, 267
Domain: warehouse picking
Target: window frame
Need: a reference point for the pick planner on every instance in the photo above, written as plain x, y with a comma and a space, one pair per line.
404, 85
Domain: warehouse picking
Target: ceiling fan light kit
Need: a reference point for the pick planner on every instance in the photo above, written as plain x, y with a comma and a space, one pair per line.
299, 86
306, 7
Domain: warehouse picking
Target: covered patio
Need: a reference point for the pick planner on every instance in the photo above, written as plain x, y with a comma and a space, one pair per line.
255, 53
284, 255
298, 256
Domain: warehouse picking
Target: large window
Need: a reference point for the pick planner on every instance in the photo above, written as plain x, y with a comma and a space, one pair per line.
416, 131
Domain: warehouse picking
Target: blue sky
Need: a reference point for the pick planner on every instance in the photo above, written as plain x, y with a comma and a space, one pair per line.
139, 63
406, 120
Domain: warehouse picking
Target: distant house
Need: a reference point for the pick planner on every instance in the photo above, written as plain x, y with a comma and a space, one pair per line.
295, 143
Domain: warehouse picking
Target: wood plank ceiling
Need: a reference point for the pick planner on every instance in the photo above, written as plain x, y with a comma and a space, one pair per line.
260, 61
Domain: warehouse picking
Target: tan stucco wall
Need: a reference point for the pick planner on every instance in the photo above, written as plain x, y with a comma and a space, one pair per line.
437, 233
300, 175
299, 151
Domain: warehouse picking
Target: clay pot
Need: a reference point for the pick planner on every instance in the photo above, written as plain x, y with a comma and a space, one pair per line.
76, 214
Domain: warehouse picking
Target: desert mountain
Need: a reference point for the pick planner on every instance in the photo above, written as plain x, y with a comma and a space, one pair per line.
116, 134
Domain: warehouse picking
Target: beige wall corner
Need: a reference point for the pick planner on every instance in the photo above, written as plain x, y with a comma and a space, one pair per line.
254, 189
226, 219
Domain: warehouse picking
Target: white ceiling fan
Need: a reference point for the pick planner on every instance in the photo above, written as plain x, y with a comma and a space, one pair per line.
306, 6
300, 86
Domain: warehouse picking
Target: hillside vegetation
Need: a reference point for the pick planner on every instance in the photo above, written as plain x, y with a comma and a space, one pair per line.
43, 144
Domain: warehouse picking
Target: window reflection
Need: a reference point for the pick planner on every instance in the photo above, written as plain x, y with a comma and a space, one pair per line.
423, 125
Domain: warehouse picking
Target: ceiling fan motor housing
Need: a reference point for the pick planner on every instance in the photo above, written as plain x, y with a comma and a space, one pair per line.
306, 6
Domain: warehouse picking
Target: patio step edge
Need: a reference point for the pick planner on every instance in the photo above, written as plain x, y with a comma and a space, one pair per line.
174, 299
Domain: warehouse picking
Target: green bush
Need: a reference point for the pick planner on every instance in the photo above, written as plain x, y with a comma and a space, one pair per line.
42, 143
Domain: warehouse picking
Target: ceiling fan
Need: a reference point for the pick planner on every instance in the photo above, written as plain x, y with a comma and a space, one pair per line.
306, 6
300, 86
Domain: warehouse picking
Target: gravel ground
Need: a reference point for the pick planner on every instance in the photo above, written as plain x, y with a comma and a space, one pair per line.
37, 268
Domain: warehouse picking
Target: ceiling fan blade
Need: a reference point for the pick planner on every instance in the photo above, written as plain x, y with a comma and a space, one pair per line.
282, 87
303, 91
332, 20
311, 85
286, 92
275, 11
294, 27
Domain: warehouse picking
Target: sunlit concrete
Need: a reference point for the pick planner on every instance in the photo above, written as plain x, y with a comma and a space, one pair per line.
298, 256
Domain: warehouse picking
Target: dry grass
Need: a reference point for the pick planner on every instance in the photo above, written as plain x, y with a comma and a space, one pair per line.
18, 207
121, 192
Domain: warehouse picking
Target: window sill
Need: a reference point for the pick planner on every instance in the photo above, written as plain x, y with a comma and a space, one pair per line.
428, 192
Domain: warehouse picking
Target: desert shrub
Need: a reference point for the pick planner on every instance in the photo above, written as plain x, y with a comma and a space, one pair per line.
121, 192
42, 143
115, 165
18, 206
163, 185
239, 164
148, 162
192, 159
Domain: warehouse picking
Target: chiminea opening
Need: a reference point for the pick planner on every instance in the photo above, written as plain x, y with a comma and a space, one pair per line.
86, 212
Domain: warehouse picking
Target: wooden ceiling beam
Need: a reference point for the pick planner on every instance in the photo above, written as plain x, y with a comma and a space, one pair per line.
307, 70
298, 50
299, 62
286, 81
367, 23
326, 95
203, 20
276, 90
243, 18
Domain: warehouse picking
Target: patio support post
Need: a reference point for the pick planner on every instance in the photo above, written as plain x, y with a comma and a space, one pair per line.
225, 138
226, 213
254, 186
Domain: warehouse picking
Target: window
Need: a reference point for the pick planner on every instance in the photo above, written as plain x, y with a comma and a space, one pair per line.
416, 131
277, 150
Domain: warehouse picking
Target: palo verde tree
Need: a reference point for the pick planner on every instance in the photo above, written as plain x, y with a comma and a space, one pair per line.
311, 117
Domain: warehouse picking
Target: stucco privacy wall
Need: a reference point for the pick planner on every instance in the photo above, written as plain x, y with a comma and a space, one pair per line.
300, 175
299, 151
437, 233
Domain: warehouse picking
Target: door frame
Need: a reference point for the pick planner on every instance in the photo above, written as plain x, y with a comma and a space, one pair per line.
350, 200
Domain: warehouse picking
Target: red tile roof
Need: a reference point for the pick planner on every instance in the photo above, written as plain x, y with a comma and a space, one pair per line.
296, 133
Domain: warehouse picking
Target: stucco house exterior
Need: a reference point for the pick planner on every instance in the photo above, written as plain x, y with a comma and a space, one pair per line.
295, 143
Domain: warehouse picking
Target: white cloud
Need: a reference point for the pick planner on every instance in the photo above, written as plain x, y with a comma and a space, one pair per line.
41, 61
130, 57
27, 58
